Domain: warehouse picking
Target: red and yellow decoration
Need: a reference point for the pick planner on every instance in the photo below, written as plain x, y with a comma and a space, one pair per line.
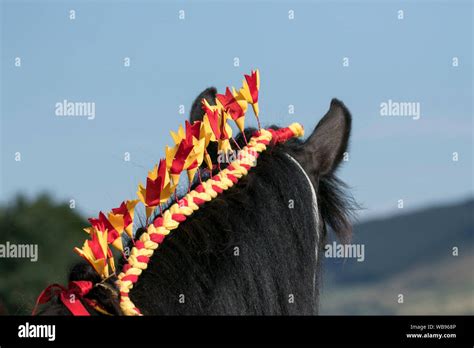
97, 252
187, 154
249, 91
158, 188
122, 217
235, 105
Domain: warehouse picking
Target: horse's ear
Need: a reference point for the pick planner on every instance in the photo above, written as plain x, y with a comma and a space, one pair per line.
324, 149
196, 109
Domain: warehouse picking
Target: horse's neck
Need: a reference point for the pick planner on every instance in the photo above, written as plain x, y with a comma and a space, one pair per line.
246, 253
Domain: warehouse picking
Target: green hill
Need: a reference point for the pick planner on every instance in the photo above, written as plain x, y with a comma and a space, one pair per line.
56, 229
397, 244
411, 255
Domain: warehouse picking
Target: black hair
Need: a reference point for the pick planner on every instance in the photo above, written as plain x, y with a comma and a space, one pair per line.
249, 251
256, 248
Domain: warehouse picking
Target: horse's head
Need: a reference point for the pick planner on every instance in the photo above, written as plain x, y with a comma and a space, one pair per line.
317, 159
256, 247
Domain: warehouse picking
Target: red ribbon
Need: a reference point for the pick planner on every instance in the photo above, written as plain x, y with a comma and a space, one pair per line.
280, 135
78, 288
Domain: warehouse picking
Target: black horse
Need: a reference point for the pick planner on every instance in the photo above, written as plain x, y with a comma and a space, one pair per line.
257, 248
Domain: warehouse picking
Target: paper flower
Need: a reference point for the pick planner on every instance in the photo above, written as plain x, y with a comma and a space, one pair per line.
235, 105
225, 134
249, 91
97, 253
215, 124
193, 134
192, 131
158, 188
211, 120
205, 134
122, 217
196, 159
188, 152
102, 224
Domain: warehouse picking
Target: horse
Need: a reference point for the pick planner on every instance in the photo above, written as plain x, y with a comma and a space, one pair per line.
257, 248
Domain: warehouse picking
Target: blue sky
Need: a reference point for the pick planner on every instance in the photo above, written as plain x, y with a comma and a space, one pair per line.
172, 60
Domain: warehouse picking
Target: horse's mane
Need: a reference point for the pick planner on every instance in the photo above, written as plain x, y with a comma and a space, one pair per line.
254, 248
197, 259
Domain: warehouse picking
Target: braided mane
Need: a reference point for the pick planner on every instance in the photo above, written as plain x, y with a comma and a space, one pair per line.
179, 211
189, 154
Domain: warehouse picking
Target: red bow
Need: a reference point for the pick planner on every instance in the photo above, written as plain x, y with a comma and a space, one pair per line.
77, 289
